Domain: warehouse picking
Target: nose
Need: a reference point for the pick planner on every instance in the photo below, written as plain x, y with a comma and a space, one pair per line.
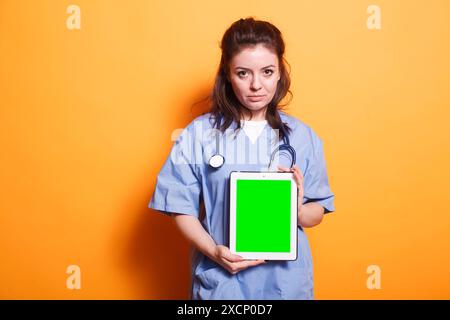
255, 85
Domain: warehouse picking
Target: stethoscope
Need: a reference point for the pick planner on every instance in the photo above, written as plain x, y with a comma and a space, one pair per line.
217, 160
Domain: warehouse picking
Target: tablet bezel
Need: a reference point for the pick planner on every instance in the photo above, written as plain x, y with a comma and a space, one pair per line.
262, 175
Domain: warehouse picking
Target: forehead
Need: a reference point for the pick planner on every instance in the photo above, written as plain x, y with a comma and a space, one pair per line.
257, 57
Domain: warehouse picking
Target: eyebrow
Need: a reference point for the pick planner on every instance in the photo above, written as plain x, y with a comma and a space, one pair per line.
250, 69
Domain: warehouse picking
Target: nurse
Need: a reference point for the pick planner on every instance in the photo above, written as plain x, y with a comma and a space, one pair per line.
244, 126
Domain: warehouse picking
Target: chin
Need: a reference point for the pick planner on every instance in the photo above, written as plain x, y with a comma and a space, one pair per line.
256, 106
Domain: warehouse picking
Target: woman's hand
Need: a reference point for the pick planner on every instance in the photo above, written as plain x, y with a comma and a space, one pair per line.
298, 177
231, 262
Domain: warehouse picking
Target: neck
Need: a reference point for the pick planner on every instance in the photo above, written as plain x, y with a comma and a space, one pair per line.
258, 115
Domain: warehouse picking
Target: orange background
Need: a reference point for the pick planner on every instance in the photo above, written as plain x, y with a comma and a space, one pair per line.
87, 117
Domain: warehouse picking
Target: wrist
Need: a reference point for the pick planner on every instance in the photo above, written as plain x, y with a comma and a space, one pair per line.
300, 213
211, 252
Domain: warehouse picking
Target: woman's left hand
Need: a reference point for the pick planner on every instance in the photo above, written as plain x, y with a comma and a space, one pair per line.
298, 177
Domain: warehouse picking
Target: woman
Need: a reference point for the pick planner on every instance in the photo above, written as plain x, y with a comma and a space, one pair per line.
250, 83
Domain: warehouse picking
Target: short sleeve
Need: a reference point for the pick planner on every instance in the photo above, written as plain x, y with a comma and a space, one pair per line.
315, 182
178, 188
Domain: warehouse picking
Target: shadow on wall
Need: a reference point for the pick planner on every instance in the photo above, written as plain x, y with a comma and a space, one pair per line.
158, 255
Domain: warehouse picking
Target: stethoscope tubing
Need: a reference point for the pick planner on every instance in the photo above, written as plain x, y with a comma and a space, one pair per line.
217, 160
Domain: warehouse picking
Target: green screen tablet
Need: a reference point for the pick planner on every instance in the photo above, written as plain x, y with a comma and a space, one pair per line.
263, 215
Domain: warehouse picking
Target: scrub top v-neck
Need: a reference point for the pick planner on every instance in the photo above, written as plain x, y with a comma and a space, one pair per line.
253, 128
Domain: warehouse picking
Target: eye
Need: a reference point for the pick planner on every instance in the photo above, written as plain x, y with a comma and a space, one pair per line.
270, 72
239, 73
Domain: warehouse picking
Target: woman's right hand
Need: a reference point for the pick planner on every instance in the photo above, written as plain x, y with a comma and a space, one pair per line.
231, 262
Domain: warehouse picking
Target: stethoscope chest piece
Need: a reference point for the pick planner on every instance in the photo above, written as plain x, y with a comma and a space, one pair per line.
216, 161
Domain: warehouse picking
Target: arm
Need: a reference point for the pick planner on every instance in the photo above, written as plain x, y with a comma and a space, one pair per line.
310, 214
192, 229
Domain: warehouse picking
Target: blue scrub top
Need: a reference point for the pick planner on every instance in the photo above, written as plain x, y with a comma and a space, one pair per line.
186, 181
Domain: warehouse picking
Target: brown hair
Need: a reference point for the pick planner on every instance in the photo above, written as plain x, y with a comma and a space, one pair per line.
224, 103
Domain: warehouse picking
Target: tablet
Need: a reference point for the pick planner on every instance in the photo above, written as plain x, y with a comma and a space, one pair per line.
263, 215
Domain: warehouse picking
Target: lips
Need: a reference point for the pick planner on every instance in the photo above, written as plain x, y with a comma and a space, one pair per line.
256, 98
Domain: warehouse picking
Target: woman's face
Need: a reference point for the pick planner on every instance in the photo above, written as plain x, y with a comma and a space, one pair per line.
254, 76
